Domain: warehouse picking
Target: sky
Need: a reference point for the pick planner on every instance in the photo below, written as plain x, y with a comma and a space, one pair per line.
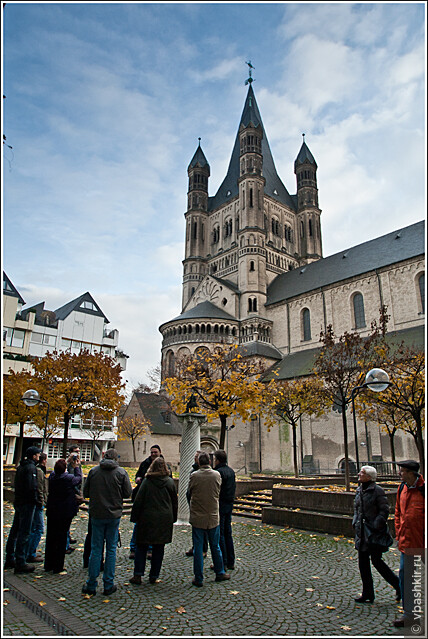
104, 106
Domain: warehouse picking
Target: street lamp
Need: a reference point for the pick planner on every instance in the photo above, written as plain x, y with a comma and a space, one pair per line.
30, 398
377, 380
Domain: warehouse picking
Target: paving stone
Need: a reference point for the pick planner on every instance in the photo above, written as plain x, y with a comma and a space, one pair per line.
274, 569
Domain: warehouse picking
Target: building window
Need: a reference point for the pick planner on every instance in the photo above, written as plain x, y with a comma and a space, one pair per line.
310, 228
89, 305
14, 337
252, 305
251, 198
252, 266
302, 230
421, 283
359, 316
306, 325
37, 338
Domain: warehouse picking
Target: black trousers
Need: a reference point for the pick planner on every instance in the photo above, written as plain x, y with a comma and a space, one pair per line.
383, 569
56, 542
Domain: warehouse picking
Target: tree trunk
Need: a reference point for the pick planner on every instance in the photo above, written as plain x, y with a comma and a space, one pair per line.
133, 449
295, 464
223, 419
419, 441
391, 445
65, 441
19, 445
345, 446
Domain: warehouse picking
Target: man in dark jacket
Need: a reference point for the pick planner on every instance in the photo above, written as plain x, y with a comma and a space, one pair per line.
227, 497
106, 485
26, 498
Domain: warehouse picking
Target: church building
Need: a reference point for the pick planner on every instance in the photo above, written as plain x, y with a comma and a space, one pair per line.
254, 275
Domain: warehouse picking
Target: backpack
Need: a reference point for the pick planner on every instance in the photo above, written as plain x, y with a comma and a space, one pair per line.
420, 488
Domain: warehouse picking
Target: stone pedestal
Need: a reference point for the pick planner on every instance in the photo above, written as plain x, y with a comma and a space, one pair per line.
190, 443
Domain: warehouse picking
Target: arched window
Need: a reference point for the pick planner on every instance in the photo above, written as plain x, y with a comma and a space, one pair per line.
310, 228
306, 325
359, 316
252, 266
421, 282
302, 229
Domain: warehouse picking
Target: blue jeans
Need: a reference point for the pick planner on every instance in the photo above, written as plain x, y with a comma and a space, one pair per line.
108, 530
37, 531
17, 542
133, 542
226, 541
198, 558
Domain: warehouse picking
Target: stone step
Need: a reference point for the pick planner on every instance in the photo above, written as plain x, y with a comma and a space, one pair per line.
251, 504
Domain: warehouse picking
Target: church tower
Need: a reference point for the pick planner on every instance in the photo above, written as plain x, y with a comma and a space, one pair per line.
308, 212
194, 264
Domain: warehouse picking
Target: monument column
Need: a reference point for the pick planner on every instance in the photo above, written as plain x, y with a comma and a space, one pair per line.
190, 443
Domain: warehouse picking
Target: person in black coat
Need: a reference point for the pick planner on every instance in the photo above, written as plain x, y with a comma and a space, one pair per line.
154, 512
27, 497
155, 452
226, 499
61, 507
371, 505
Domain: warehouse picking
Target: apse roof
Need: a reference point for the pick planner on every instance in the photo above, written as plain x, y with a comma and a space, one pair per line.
394, 247
274, 186
205, 310
157, 409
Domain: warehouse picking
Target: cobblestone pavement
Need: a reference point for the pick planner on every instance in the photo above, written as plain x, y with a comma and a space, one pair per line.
286, 583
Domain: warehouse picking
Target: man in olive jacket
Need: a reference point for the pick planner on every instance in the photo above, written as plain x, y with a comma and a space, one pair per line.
204, 492
106, 485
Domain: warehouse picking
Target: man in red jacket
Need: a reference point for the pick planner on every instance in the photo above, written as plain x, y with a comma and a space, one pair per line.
410, 533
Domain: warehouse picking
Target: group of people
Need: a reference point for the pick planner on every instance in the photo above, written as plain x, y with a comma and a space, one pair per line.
210, 494
35, 492
372, 536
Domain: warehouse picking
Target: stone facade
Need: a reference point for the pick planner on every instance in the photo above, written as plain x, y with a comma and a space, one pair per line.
254, 275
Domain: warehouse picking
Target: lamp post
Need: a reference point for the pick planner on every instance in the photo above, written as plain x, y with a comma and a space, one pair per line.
30, 398
377, 380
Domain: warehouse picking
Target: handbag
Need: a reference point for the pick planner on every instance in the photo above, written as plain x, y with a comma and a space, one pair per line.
377, 539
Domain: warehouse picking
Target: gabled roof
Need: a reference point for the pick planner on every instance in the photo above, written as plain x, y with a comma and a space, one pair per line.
205, 310
157, 409
274, 186
9, 289
389, 249
75, 305
300, 364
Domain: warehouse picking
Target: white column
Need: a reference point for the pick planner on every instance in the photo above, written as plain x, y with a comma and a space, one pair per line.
190, 443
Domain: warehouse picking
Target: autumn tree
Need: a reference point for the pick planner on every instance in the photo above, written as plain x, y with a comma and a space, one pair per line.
289, 400
389, 418
80, 384
132, 428
342, 365
224, 383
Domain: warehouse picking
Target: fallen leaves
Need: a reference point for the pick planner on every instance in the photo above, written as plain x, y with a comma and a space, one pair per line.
233, 592
330, 607
159, 607
62, 599
345, 628
42, 603
181, 610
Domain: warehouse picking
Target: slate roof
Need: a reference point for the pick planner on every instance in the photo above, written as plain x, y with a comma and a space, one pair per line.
389, 249
198, 158
204, 310
300, 364
251, 113
262, 349
153, 406
64, 311
10, 289
305, 156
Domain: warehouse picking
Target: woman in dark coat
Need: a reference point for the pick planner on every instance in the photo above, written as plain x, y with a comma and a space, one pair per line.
154, 511
372, 506
61, 507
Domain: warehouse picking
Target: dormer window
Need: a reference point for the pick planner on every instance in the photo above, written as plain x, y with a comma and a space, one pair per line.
88, 305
